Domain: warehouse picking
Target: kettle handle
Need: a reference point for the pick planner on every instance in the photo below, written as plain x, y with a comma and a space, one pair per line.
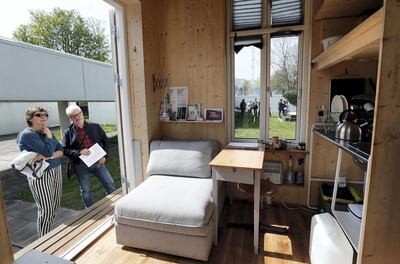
343, 115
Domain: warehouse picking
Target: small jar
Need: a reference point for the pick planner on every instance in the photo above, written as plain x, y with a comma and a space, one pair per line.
275, 142
302, 146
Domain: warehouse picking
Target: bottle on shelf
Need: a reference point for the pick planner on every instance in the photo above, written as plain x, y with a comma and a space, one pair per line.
300, 172
290, 174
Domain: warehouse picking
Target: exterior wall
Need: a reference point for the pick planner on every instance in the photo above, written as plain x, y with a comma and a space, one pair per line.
13, 118
38, 74
103, 112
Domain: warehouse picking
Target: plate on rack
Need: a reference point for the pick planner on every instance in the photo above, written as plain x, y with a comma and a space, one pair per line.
337, 104
345, 103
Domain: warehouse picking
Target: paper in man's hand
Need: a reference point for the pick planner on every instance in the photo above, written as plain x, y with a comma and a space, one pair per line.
96, 153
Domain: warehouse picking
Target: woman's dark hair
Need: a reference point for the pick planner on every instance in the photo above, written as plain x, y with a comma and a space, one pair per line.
31, 112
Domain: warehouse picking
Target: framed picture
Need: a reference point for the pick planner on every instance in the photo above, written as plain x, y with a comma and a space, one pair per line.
213, 114
193, 112
181, 113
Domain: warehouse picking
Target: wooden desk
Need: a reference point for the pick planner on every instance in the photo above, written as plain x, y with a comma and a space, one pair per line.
244, 166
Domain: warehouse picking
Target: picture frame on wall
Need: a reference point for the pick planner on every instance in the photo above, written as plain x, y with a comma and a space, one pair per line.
181, 113
214, 114
193, 112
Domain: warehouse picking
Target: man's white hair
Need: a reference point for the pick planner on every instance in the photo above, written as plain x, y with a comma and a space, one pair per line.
71, 109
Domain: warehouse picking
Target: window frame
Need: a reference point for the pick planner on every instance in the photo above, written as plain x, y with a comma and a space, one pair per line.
303, 73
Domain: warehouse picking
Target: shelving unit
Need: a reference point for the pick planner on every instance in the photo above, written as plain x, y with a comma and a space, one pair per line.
362, 42
344, 8
287, 151
350, 225
186, 121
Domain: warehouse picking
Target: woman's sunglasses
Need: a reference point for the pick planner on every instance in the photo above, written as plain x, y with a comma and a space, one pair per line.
41, 115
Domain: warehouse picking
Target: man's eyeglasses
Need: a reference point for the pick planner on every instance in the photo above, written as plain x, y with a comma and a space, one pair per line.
76, 115
41, 115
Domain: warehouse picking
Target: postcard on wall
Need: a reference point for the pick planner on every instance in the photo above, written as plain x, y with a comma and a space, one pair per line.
214, 114
178, 97
193, 112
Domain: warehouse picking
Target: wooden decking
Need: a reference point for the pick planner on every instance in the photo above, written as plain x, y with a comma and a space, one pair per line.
235, 244
64, 237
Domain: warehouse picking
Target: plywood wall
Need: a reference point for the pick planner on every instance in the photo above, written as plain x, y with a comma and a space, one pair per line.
137, 79
192, 54
184, 41
152, 19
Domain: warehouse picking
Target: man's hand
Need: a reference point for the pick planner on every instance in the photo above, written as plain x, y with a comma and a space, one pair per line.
102, 160
85, 152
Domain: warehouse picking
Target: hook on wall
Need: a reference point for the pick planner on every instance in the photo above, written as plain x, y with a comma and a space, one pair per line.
159, 82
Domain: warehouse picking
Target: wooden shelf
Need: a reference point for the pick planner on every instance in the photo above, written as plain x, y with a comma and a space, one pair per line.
344, 8
362, 42
186, 121
287, 151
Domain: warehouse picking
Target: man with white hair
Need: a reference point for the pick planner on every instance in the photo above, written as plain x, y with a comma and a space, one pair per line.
77, 140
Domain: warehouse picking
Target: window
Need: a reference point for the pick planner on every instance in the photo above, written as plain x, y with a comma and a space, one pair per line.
267, 52
284, 84
247, 91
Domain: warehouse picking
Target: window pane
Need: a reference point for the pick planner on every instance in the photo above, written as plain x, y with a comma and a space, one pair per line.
247, 93
284, 87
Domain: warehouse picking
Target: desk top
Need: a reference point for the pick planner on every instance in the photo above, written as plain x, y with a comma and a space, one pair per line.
239, 158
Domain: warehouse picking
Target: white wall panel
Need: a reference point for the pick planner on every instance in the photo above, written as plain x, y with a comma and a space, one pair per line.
13, 118
31, 73
99, 82
103, 112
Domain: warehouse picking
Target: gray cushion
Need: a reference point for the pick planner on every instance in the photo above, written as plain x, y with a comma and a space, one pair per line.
181, 158
169, 200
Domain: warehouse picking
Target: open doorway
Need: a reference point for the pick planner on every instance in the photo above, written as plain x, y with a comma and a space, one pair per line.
72, 200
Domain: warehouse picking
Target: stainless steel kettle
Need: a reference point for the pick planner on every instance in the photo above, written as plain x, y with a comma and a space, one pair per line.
348, 130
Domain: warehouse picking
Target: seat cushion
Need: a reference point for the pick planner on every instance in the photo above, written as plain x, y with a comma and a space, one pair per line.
181, 158
170, 201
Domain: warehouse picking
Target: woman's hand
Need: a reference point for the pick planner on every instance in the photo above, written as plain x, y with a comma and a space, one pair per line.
47, 131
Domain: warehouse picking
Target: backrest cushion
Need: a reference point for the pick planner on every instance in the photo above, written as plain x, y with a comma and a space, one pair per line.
181, 158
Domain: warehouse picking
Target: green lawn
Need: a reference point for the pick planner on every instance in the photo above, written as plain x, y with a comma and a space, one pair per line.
106, 127
71, 197
249, 127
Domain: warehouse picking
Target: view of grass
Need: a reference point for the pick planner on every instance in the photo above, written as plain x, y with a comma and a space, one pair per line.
249, 127
71, 197
106, 127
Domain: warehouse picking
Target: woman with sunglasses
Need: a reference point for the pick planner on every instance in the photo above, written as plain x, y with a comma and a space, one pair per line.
47, 189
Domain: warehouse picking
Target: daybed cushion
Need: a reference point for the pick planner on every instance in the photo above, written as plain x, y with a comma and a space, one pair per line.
169, 203
181, 158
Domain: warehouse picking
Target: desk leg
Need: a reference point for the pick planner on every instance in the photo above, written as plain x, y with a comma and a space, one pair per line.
215, 201
257, 175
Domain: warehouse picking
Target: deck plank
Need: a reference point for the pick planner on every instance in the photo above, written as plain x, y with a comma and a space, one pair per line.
56, 235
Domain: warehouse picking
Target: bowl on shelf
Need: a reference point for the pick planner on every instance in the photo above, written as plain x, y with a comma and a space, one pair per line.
328, 42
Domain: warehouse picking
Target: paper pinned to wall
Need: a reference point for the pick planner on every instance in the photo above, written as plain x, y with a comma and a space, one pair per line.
178, 97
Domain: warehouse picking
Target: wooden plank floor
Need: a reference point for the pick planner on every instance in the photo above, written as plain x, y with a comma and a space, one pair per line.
60, 239
235, 244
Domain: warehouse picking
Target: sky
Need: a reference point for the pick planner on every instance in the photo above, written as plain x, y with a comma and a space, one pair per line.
16, 12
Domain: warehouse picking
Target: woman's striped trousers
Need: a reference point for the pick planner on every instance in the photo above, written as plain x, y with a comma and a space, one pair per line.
47, 192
